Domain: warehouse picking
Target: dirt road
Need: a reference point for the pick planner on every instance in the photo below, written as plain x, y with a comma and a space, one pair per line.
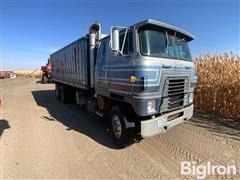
43, 138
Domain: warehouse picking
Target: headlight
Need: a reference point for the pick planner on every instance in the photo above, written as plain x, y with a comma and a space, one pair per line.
151, 107
190, 98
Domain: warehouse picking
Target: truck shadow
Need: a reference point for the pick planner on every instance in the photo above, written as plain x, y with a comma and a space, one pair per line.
3, 125
223, 127
74, 118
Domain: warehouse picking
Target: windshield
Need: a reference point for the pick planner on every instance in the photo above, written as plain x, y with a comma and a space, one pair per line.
161, 44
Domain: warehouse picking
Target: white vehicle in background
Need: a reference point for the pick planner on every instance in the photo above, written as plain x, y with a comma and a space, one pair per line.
12, 75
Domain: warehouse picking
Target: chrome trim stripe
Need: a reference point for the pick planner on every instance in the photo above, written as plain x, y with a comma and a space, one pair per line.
146, 97
128, 84
161, 75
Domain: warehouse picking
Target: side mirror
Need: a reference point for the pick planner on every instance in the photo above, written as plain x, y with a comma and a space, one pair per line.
114, 39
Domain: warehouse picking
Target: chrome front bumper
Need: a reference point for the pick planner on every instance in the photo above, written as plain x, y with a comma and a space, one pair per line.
160, 124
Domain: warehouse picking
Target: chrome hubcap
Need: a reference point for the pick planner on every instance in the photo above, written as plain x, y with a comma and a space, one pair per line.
116, 126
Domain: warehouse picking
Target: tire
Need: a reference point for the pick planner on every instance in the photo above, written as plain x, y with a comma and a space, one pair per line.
45, 79
67, 94
123, 136
57, 91
63, 94
71, 94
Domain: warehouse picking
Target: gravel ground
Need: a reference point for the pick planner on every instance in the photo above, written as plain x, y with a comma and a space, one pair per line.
43, 138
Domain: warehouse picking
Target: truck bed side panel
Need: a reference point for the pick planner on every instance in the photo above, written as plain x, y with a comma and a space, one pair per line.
70, 65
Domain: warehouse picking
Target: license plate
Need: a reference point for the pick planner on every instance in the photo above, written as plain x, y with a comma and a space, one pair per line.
162, 121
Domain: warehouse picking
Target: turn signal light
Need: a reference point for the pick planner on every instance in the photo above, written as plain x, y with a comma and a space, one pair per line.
133, 79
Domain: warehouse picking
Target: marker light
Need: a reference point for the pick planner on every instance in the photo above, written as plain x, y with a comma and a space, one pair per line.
133, 79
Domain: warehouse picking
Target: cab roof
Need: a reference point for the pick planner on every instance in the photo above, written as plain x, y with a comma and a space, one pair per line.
188, 35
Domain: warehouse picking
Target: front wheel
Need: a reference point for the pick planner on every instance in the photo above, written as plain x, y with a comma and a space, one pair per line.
123, 135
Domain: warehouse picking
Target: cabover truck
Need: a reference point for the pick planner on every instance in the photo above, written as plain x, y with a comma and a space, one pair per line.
140, 78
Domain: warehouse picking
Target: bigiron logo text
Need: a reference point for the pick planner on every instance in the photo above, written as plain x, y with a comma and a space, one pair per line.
201, 171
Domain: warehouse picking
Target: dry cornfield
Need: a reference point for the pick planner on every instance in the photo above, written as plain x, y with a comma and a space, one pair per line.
218, 85
28, 73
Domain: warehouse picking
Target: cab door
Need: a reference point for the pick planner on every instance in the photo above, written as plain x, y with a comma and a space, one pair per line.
101, 69
121, 66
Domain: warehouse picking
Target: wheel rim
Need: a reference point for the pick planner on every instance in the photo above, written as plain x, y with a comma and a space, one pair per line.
116, 126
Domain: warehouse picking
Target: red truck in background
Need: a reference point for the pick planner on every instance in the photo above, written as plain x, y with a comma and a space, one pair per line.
4, 75
47, 73
7, 74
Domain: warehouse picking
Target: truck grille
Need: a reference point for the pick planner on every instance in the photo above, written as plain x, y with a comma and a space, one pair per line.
174, 93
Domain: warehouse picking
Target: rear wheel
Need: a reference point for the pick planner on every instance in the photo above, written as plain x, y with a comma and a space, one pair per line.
67, 94
57, 91
123, 135
63, 94
45, 79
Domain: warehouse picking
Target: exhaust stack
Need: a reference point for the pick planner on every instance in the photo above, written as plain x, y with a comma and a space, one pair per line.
94, 35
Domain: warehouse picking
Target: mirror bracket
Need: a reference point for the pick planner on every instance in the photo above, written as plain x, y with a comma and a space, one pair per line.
114, 39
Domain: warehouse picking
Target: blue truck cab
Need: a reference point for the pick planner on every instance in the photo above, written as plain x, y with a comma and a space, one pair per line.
141, 78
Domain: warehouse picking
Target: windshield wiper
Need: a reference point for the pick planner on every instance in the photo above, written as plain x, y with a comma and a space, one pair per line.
167, 41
